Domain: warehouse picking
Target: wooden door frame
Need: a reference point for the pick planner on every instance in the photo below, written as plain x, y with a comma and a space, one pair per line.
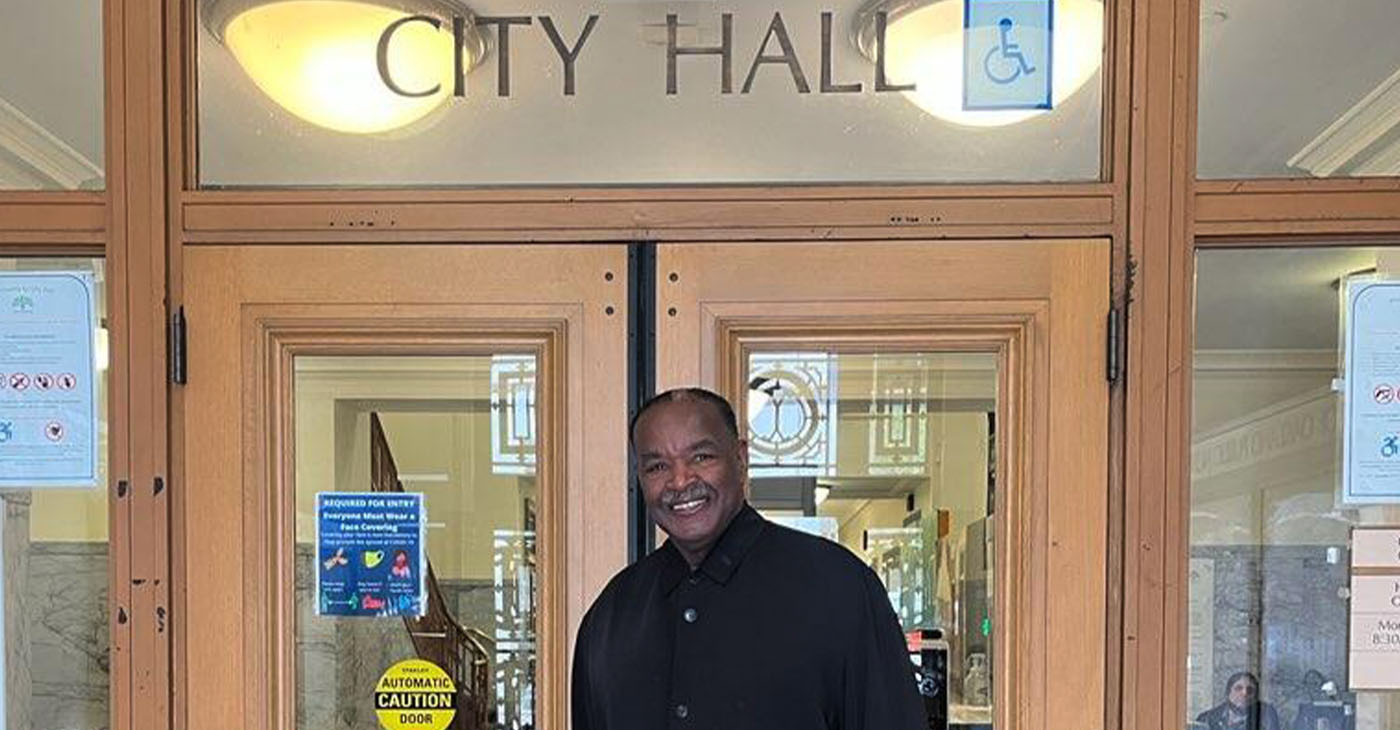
1155, 211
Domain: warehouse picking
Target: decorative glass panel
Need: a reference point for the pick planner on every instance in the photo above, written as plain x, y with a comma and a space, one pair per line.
898, 416
514, 573
792, 414
513, 414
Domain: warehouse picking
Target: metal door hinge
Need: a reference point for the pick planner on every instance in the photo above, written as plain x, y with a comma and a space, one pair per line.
1115, 326
178, 375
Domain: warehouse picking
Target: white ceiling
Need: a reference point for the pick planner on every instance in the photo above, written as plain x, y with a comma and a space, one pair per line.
1272, 299
51, 74
1275, 73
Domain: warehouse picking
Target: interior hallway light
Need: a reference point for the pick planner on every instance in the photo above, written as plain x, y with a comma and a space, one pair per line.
318, 59
924, 47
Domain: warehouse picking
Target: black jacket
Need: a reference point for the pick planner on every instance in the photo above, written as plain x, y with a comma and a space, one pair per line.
775, 630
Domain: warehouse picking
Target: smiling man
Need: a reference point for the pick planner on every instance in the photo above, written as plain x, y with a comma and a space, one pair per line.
735, 622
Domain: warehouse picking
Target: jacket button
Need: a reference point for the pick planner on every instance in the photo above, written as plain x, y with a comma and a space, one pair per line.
690, 615
682, 711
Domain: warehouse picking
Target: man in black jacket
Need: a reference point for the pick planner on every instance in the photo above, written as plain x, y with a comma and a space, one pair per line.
735, 622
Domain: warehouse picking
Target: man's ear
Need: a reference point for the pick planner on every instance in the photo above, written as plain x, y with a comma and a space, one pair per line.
743, 451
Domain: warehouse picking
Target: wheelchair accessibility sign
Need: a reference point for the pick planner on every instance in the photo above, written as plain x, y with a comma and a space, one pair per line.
1007, 54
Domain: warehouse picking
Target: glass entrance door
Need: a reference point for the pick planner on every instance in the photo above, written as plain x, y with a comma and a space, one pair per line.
390, 456
940, 410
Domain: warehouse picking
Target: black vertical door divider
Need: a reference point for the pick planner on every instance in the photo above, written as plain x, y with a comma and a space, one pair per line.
641, 382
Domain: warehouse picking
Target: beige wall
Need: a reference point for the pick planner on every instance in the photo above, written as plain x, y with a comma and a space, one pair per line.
958, 481
68, 515
872, 513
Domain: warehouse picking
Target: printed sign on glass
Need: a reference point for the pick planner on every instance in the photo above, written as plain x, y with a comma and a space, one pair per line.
1371, 421
48, 388
370, 557
1376, 547
1374, 656
1007, 54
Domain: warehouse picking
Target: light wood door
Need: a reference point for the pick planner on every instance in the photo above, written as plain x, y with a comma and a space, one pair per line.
1038, 307
253, 312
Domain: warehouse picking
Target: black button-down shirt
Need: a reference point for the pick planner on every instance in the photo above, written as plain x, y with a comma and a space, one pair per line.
776, 630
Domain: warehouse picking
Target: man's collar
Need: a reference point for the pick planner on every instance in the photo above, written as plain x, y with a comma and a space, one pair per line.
724, 558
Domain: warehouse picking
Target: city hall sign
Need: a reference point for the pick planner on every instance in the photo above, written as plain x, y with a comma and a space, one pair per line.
776, 49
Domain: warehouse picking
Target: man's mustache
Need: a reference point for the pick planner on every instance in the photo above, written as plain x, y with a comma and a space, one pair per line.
693, 491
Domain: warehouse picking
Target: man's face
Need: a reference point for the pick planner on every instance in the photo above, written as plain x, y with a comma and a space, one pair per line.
1242, 692
692, 472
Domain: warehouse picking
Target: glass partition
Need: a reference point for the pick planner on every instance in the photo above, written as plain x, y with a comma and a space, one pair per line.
1270, 604
51, 93
460, 432
1298, 88
893, 455
57, 664
441, 92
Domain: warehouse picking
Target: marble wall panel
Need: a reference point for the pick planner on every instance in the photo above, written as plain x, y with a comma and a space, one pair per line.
69, 661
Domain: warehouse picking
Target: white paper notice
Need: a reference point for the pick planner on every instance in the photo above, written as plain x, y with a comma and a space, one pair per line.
48, 395
1375, 632
1371, 424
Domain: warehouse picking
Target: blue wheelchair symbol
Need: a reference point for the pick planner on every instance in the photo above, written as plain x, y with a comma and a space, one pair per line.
1003, 72
1390, 446
7, 431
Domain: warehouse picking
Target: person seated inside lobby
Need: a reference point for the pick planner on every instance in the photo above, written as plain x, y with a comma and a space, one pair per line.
1242, 708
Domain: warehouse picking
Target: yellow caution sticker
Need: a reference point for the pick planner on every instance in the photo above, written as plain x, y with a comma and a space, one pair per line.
415, 694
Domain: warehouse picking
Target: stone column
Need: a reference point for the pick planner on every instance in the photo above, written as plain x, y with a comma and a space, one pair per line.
14, 541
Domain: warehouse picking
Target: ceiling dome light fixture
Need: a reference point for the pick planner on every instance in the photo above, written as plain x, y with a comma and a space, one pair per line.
318, 59
924, 42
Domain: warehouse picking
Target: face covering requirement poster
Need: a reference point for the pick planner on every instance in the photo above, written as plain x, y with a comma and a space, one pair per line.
370, 557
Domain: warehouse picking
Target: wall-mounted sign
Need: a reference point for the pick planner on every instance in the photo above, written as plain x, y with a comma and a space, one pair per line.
1007, 54
48, 388
776, 49
370, 557
1371, 420
1374, 659
1375, 547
